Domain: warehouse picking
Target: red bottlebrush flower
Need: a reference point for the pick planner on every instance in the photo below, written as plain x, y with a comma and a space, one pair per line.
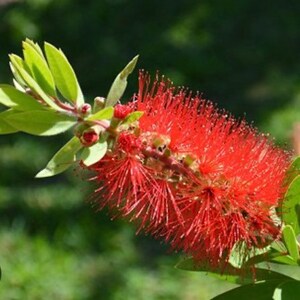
128, 142
131, 187
193, 175
121, 111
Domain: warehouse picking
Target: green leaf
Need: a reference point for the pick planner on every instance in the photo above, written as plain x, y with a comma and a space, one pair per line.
276, 253
289, 290
94, 153
35, 46
258, 291
62, 160
5, 128
18, 86
64, 75
285, 260
32, 84
39, 69
17, 61
230, 273
291, 205
18, 79
279, 257
132, 117
106, 113
11, 97
278, 246
290, 241
41, 122
120, 83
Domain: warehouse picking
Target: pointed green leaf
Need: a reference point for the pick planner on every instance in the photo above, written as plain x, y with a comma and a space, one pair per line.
32, 84
18, 78
291, 205
289, 290
64, 75
285, 260
132, 117
41, 122
35, 46
267, 256
5, 128
94, 153
278, 246
120, 83
18, 86
62, 160
39, 69
106, 113
272, 256
17, 61
259, 291
11, 97
230, 273
290, 241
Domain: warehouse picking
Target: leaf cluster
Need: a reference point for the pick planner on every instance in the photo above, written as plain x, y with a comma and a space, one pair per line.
47, 100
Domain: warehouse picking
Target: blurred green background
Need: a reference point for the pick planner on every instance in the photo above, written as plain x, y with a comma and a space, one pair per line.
244, 55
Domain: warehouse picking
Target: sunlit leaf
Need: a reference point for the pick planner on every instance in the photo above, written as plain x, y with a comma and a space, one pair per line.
35, 46
290, 241
5, 128
32, 84
39, 69
39, 122
120, 83
62, 160
291, 205
230, 273
64, 75
18, 86
132, 117
11, 97
94, 153
106, 113
17, 78
18, 61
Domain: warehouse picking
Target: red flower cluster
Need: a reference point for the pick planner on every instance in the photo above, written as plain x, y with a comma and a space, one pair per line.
193, 175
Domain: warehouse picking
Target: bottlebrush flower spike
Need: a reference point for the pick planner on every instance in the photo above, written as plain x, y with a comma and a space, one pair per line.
193, 175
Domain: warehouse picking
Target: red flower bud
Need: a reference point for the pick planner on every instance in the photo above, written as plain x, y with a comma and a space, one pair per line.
85, 109
122, 111
89, 137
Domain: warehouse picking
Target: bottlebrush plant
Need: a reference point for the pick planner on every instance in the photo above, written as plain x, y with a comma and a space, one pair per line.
184, 171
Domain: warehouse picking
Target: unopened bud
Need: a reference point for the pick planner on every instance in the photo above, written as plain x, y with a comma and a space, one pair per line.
80, 128
85, 109
99, 103
89, 137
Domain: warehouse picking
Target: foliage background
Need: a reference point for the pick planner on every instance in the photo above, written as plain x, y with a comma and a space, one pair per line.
244, 55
